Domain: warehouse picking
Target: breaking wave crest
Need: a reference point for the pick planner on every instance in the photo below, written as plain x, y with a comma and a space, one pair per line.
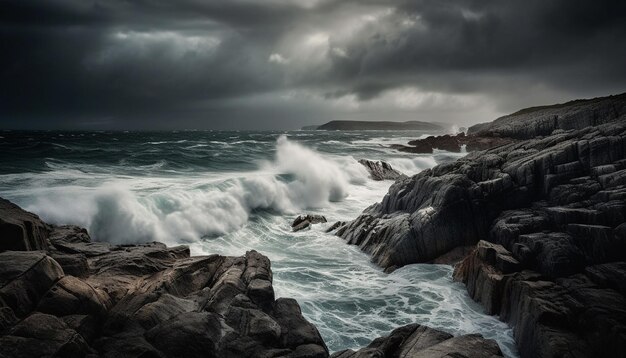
298, 178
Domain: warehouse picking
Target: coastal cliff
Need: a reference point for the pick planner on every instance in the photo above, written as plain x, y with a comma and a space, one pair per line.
542, 121
551, 209
455, 204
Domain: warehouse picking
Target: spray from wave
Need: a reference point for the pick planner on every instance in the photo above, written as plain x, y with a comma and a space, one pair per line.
298, 178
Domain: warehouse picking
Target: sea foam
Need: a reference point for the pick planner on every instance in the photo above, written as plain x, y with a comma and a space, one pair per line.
297, 179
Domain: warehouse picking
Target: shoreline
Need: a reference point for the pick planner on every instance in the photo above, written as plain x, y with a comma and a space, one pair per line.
547, 213
76, 298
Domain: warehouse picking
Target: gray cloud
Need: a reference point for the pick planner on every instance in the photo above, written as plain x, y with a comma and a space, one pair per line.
283, 64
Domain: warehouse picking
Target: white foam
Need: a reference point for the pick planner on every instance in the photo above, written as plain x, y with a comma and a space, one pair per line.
349, 299
127, 210
413, 165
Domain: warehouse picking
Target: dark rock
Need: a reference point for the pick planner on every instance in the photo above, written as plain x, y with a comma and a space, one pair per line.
21, 230
419, 341
126, 346
42, 335
411, 224
611, 275
145, 300
335, 226
452, 143
381, 170
25, 277
302, 222
301, 226
295, 329
85, 325
552, 205
75, 265
551, 316
69, 234
417, 147
543, 121
453, 256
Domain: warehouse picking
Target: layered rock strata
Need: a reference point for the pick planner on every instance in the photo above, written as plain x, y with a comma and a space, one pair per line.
381, 170
548, 212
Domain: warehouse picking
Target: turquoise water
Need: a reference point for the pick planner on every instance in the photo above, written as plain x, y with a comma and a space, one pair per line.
228, 192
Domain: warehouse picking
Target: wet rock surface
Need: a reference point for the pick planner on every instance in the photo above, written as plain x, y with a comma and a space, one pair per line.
141, 300
21, 230
548, 212
575, 178
452, 143
302, 222
381, 170
420, 341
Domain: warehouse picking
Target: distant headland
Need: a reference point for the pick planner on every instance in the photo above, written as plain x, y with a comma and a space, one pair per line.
376, 125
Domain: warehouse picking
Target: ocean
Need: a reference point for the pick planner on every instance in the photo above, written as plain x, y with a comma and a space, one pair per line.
229, 192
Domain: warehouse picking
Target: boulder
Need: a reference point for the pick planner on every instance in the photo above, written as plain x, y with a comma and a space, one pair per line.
145, 300
42, 335
545, 120
412, 223
420, 341
452, 143
302, 222
381, 170
25, 277
546, 213
21, 230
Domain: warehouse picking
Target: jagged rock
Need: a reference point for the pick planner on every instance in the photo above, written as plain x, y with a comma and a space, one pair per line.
190, 334
550, 316
381, 170
611, 275
419, 341
336, 226
295, 329
412, 223
145, 300
71, 295
542, 121
69, 233
453, 256
302, 222
552, 205
21, 230
451, 143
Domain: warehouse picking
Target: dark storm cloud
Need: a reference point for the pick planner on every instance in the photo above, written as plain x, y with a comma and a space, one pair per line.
279, 63
553, 42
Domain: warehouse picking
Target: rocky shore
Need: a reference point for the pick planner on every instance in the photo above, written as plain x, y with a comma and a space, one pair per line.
546, 215
536, 227
64, 295
452, 143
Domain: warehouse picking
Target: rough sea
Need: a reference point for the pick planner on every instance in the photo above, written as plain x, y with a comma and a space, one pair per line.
229, 192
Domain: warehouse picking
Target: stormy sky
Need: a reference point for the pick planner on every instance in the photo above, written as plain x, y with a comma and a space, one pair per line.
279, 64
